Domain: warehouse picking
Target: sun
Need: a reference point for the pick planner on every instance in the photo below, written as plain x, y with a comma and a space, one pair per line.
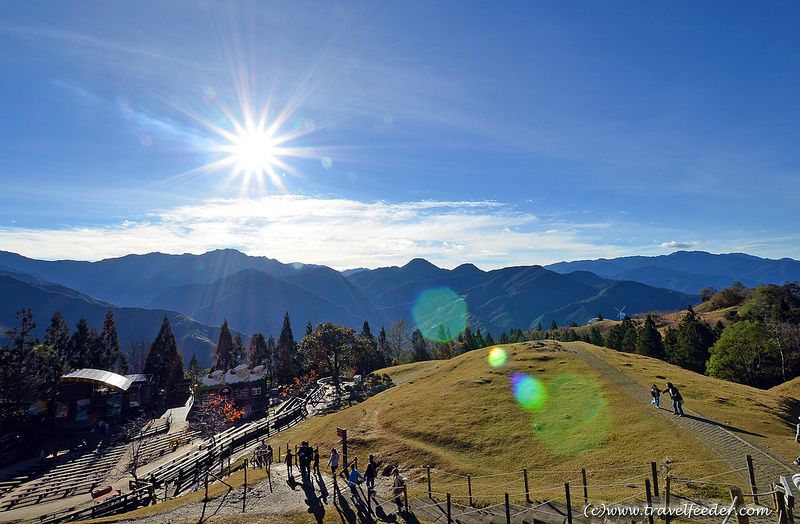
253, 152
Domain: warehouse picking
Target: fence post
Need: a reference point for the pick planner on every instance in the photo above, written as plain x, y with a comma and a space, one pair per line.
649, 507
666, 500
206, 499
449, 517
585, 488
780, 507
752, 478
527, 491
469, 487
654, 470
428, 468
569, 503
738, 504
508, 511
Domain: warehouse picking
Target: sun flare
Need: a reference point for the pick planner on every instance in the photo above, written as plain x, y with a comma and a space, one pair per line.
253, 152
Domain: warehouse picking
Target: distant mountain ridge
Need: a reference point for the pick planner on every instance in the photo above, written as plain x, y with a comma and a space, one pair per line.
689, 271
198, 292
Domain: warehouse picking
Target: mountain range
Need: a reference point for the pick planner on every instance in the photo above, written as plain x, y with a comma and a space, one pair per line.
199, 292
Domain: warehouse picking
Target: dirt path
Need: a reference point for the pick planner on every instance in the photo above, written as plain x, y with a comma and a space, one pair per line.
731, 447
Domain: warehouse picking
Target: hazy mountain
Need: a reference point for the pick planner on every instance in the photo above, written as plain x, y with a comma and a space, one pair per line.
133, 280
254, 293
689, 271
133, 324
253, 301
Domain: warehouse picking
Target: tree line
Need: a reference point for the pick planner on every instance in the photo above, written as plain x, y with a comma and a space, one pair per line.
755, 342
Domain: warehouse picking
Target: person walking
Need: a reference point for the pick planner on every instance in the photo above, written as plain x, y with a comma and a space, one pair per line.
656, 396
797, 439
333, 463
316, 460
370, 473
289, 459
398, 489
352, 480
677, 399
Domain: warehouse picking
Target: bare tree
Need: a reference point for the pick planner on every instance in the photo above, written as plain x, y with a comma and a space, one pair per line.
137, 354
398, 339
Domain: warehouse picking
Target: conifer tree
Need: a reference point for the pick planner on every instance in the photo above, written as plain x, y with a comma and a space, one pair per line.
164, 361
78, 353
238, 355
57, 336
649, 341
194, 370
284, 352
223, 355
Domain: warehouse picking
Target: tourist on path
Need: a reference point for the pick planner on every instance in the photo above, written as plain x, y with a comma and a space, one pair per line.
289, 458
398, 489
333, 462
370, 474
797, 439
677, 399
656, 396
352, 480
316, 460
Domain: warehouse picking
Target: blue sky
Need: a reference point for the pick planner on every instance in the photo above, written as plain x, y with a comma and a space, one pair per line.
366, 134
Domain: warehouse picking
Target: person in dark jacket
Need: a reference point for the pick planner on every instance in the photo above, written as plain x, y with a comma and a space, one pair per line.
677, 399
370, 474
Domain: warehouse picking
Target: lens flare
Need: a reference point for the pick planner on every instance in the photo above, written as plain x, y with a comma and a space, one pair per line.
575, 418
529, 392
37, 408
497, 357
440, 314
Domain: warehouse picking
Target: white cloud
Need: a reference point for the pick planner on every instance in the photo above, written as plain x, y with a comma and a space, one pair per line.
682, 245
336, 232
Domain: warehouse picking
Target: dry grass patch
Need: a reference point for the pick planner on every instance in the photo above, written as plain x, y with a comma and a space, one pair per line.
461, 416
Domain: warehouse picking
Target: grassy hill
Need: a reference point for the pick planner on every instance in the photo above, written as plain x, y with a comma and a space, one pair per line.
462, 416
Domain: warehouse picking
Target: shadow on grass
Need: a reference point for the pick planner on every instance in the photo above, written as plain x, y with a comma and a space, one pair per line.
723, 426
219, 506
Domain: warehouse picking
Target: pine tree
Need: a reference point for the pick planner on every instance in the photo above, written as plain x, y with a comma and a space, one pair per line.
419, 349
270, 359
649, 340
57, 336
238, 355
17, 370
112, 357
285, 350
194, 370
223, 355
78, 353
164, 361
694, 337
257, 353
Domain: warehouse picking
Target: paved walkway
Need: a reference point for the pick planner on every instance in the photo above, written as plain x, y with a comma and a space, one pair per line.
728, 445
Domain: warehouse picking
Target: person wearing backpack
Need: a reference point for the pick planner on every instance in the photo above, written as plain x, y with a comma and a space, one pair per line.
677, 399
398, 489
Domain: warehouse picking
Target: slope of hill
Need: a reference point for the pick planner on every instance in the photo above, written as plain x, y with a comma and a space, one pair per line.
466, 416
